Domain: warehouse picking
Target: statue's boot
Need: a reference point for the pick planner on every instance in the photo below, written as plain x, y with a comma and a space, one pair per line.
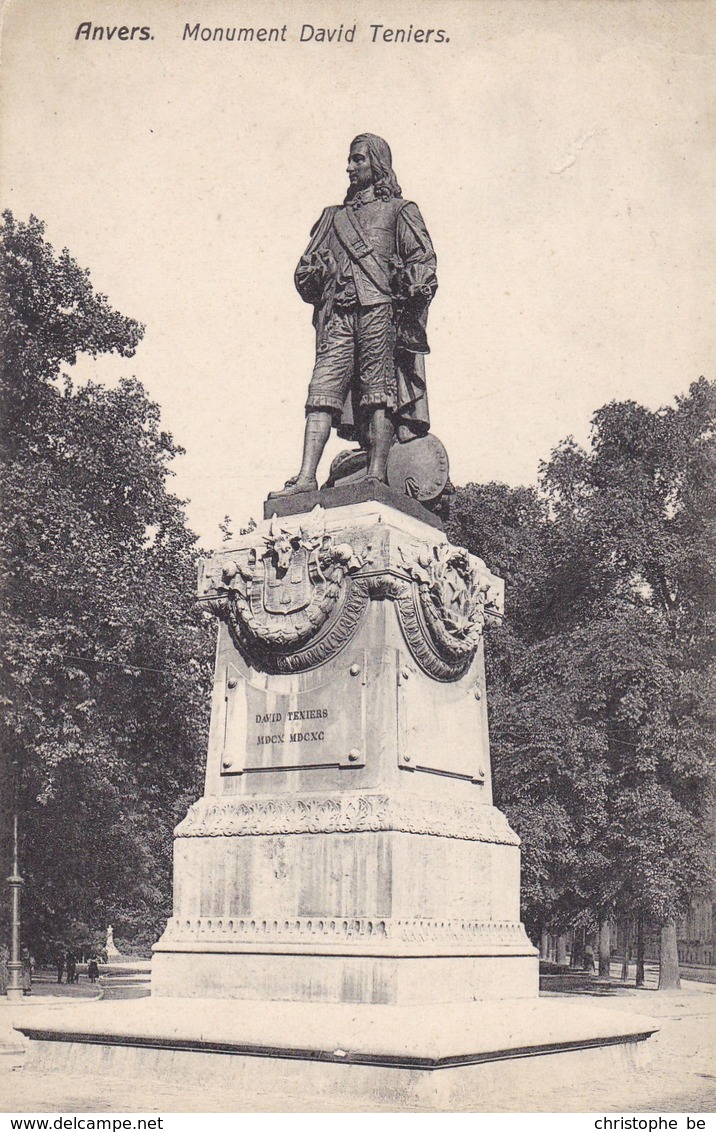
318, 428
294, 486
381, 433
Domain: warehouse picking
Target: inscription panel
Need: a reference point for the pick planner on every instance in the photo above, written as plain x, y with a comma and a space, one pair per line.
313, 720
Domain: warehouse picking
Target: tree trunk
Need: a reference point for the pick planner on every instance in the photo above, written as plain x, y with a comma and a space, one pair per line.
605, 949
562, 949
669, 958
640, 951
543, 946
627, 952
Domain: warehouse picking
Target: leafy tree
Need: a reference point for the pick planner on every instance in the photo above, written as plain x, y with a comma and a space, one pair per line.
105, 669
601, 681
636, 514
531, 721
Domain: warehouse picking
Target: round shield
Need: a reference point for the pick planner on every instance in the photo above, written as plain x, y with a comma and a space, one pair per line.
419, 468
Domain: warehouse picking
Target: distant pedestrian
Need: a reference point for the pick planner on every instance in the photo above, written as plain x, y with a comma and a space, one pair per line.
71, 965
589, 959
60, 964
26, 972
92, 971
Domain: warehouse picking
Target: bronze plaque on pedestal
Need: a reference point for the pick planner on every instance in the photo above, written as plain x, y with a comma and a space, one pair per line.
294, 723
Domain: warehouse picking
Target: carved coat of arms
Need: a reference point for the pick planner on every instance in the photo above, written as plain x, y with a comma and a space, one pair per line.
281, 598
283, 588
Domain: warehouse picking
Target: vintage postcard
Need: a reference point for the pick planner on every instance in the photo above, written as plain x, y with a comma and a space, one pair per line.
537, 173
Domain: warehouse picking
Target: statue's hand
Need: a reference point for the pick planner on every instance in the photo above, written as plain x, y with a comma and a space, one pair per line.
420, 283
324, 262
421, 291
310, 277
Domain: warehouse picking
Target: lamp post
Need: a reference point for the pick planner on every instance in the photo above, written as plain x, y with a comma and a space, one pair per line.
15, 881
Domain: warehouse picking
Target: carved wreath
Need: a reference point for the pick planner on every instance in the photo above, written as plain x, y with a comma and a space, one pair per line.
452, 590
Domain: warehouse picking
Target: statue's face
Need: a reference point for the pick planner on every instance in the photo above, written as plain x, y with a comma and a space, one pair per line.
360, 170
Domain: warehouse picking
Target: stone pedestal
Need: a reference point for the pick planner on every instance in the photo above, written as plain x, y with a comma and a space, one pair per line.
346, 874
346, 848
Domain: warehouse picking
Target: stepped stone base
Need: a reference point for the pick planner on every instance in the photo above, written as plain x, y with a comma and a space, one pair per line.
331, 918
347, 495
355, 1058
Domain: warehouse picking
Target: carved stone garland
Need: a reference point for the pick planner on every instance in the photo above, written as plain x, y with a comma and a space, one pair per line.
443, 613
301, 601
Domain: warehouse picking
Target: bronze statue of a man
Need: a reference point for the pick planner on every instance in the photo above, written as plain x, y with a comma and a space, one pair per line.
369, 272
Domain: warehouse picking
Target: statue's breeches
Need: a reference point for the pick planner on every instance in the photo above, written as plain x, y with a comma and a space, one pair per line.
356, 350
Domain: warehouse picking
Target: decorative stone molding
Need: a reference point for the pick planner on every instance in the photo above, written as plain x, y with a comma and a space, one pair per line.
345, 813
336, 929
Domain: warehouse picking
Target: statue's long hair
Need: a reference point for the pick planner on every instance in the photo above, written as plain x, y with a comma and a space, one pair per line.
385, 184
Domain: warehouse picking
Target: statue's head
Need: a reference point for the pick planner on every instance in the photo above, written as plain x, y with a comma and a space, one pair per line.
370, 162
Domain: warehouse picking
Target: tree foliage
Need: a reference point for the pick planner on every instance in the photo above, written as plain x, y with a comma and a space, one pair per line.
601, 682
105, 669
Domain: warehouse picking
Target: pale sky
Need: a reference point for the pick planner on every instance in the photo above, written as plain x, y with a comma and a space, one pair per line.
562, 155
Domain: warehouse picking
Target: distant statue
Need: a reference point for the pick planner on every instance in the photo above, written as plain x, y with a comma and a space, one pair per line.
110, 948
369, 272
